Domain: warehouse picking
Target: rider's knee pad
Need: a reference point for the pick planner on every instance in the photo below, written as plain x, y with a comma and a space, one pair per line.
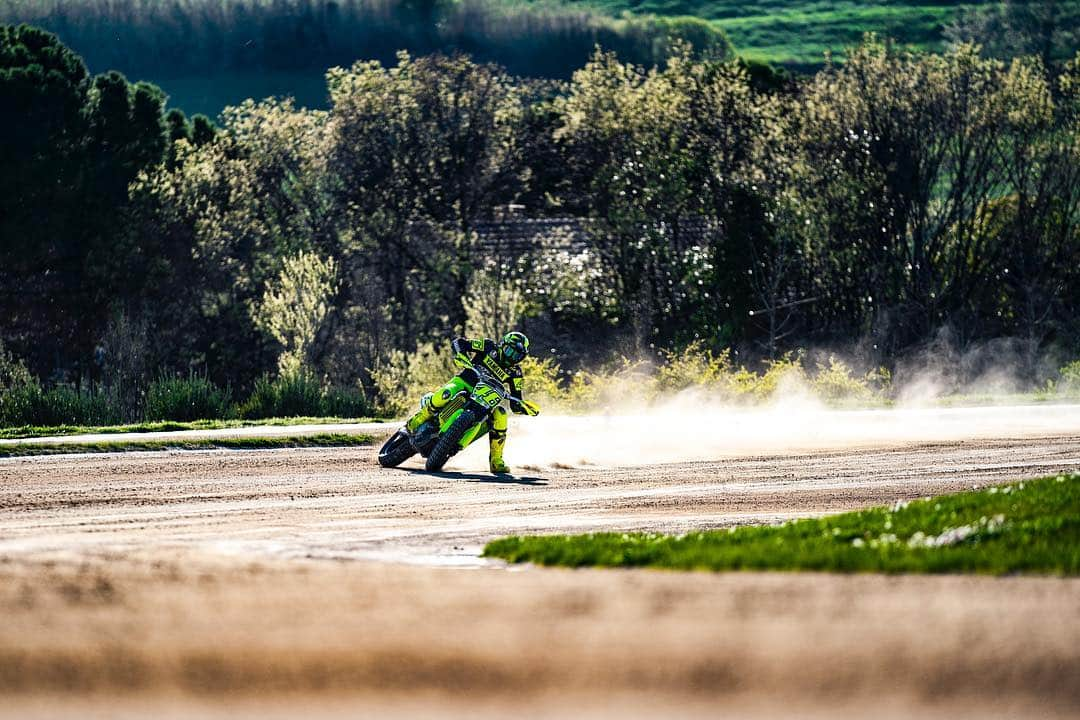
440, 397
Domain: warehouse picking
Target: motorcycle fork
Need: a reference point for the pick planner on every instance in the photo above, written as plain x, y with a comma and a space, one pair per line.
475, 433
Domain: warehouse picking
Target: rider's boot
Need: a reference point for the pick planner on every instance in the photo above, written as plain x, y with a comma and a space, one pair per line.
497, 442
425, 413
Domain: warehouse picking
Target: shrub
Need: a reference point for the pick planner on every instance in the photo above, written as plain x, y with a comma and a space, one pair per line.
18, 404
296, 394
779, 374
543, 381
23, 401
626, 384
345, 403
835, 382
13, 372
402, 378
693, 366
1070, 379
185, 399
69, 405
30, 404
301, 394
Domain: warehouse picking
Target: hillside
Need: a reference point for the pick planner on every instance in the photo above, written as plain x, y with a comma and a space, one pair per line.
799, 32
209, 53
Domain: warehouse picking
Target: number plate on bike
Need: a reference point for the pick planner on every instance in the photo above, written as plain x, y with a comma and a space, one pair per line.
487, 395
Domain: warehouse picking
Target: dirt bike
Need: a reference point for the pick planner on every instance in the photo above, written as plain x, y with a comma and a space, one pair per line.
465, 418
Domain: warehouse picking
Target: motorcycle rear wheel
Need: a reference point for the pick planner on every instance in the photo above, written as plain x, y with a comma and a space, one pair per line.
450, 442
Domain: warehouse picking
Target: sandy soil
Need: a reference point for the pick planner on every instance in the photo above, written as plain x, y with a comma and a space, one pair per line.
248, 583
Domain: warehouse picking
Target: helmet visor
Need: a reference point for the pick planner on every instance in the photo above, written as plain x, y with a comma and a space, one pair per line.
514, 352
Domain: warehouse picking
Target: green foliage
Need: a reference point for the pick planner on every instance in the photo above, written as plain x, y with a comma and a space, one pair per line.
69, 146
186, 399
1030, 527
651, 149
225, 443
836, 382
301, 394
31, 404
696, 365
1049, 29
401, 379
492, 304
13, 372
543, 380
698, 369
202, 130
343, 402
23, 401
1070, 379
294, 306
700, 204
903, 159
296, 393
35, 431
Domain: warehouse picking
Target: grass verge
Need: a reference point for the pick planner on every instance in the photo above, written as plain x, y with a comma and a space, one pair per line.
1029, 527
238, 443
32, 431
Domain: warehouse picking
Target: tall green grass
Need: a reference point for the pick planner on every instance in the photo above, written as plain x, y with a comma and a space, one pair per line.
186, 399
257, 47
301, 394
27, 405
32, 404
220, 443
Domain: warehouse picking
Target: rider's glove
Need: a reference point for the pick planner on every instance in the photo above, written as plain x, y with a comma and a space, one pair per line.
523, 407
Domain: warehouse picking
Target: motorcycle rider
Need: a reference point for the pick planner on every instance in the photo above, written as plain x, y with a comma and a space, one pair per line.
501, 360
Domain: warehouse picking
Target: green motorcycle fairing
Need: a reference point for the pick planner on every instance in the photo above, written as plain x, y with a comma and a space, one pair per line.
482, 393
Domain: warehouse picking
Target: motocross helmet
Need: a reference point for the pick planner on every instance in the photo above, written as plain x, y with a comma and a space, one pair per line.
514, 348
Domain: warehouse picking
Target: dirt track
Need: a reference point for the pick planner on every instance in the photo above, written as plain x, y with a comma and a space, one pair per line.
196, 577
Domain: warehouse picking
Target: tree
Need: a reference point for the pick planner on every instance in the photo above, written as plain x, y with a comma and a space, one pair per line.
231, 211
69, 146
666, 162
1046, 29
418, 154
294, 306
1040, 229
43, 91
902, 159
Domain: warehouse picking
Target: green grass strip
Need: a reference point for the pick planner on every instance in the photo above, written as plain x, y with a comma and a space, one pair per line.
233, 443
1026, 527
32, 431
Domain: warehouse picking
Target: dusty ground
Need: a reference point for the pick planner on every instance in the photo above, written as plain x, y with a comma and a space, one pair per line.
242, 583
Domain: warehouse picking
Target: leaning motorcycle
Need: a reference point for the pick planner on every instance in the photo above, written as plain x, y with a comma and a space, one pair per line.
465, 418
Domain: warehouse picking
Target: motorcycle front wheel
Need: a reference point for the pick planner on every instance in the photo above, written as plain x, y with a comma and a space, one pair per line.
450, 442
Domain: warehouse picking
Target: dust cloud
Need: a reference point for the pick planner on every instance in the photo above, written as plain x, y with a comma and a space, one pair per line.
689, 428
